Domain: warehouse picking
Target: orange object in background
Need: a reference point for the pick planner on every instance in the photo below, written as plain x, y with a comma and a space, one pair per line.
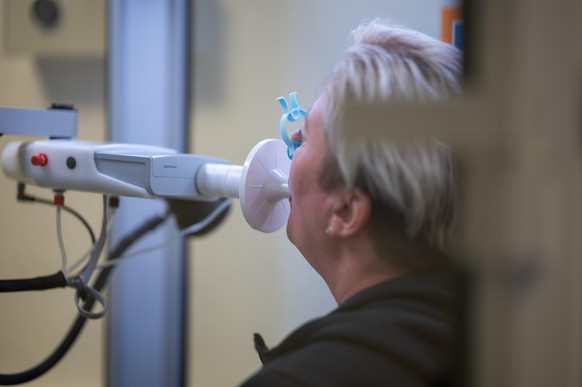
450, 16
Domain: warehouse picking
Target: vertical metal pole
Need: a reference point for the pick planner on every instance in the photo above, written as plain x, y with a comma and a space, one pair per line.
148, 99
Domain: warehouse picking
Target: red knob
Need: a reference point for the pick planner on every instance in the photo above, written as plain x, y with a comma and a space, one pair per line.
40, 159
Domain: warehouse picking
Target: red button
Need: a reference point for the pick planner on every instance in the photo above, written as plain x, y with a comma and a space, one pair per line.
40, 159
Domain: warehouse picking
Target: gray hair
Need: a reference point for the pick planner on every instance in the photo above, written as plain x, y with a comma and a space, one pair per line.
411, 181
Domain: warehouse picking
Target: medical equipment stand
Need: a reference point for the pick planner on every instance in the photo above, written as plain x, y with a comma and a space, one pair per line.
148, 97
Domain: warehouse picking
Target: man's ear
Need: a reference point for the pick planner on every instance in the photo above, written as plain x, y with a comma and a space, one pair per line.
350, 213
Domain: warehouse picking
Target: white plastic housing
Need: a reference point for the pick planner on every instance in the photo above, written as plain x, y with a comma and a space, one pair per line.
59, 172
119, 169
151, 171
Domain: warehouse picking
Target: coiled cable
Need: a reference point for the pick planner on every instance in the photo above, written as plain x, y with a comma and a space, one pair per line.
79, 322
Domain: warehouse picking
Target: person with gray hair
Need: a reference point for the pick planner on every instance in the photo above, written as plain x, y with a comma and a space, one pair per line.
375, 218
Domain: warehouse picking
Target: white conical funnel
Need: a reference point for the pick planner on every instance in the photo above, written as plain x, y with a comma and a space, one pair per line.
260, 184
264, 189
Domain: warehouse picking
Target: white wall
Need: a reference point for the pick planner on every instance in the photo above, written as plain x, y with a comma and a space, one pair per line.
246, 53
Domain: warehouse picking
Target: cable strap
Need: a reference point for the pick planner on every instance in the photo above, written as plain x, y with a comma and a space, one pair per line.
81, 296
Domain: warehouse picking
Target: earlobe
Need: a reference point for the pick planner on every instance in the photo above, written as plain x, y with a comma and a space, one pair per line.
351, 215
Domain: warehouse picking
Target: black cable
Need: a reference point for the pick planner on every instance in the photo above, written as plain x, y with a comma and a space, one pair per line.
52, 281
100, 282
22, 196
74, 213
79, 323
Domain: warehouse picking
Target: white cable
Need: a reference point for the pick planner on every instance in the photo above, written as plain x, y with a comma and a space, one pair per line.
82, 279
81, 260
60, 240
193, 229
85, 257
99, 245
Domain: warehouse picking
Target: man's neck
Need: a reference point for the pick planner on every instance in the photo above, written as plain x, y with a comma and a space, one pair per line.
351, 274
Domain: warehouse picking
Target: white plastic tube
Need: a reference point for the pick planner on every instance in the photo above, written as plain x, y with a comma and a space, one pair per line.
219, 180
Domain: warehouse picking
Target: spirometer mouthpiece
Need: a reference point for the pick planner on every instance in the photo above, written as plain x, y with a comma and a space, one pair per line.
260, 184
